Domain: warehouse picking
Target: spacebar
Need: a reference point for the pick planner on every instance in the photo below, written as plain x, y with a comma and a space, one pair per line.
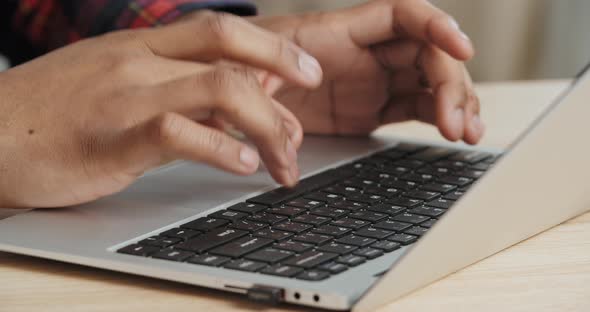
306, 185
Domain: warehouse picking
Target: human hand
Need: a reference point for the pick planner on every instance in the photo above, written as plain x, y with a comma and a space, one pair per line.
85, 121
384, 61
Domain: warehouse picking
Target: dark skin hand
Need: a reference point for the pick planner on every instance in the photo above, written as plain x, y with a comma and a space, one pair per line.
384, 61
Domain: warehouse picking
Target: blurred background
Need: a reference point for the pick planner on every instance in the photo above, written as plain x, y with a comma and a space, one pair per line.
514, 39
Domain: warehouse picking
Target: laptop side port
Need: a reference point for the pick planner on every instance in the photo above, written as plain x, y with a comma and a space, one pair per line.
266, 294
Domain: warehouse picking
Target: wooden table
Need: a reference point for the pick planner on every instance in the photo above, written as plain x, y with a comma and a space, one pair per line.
549, 272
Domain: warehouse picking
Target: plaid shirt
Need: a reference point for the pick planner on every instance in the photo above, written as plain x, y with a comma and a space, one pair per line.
43, 25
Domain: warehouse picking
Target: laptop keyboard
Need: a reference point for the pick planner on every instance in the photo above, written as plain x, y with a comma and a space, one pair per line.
333, 221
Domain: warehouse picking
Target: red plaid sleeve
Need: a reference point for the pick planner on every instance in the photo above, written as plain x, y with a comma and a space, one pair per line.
49, 24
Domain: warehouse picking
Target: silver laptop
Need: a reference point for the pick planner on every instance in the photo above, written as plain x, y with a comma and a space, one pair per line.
372, 220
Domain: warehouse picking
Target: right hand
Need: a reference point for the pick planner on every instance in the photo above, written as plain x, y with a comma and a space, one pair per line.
86, 121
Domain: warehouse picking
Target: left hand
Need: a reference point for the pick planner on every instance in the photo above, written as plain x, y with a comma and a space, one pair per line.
384, 61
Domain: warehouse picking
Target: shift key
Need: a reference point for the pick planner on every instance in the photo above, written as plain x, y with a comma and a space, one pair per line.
211, 239
311, 259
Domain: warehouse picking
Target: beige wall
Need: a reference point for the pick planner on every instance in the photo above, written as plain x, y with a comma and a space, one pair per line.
515, 39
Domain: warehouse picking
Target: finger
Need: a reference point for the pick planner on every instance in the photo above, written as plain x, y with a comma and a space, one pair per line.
212, 36
292, 124
378, 21
407, 81
234, 95
417, 106
173, 136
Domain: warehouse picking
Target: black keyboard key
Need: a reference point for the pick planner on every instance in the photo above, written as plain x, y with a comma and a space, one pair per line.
288, 211
459, 181
433, 154
305, 203
386, 246
374, 233
333, 267
441, 203
313, 275
409, 163
336, 231
211, 240
295, 247
241, 247
245, 265
392, 155
396, 171
273, 234
248, 208
348, 205
166, 242
469, 173
313, 238
324, 197
365, 198
340, 249
173, 255
399, 184
410, 218
311, 219
470, 157
428, 211
139, 250
292, 227
388, 209
416, 231
452, 165
317, 181
369, 253
454, 195
342, 190
329, 212
360, 183
209, 260
383, 192
376, 160
311, 259
351, 260
205, 224
370, 216
282, 270
428, 224
269, 255
438, 187
404, 202
268, 218
351, 223
355, 240
247, 225
435, 171
183, 234
422, 195
419, 178
150, 240
229, 215
391, 225
404, 239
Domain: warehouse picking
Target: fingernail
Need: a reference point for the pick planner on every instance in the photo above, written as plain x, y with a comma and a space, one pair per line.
456, 26
249, 158
477, 124
291, 153
310, 67
459, 120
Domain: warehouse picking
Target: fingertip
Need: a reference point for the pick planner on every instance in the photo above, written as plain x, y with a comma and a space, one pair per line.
448, 36
310, 69
249, 160
450, 113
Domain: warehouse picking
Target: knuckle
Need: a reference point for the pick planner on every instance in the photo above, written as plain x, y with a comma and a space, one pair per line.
221, 27
164, 129
214, 143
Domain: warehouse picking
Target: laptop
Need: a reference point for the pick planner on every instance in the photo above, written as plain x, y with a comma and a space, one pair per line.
372, 219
